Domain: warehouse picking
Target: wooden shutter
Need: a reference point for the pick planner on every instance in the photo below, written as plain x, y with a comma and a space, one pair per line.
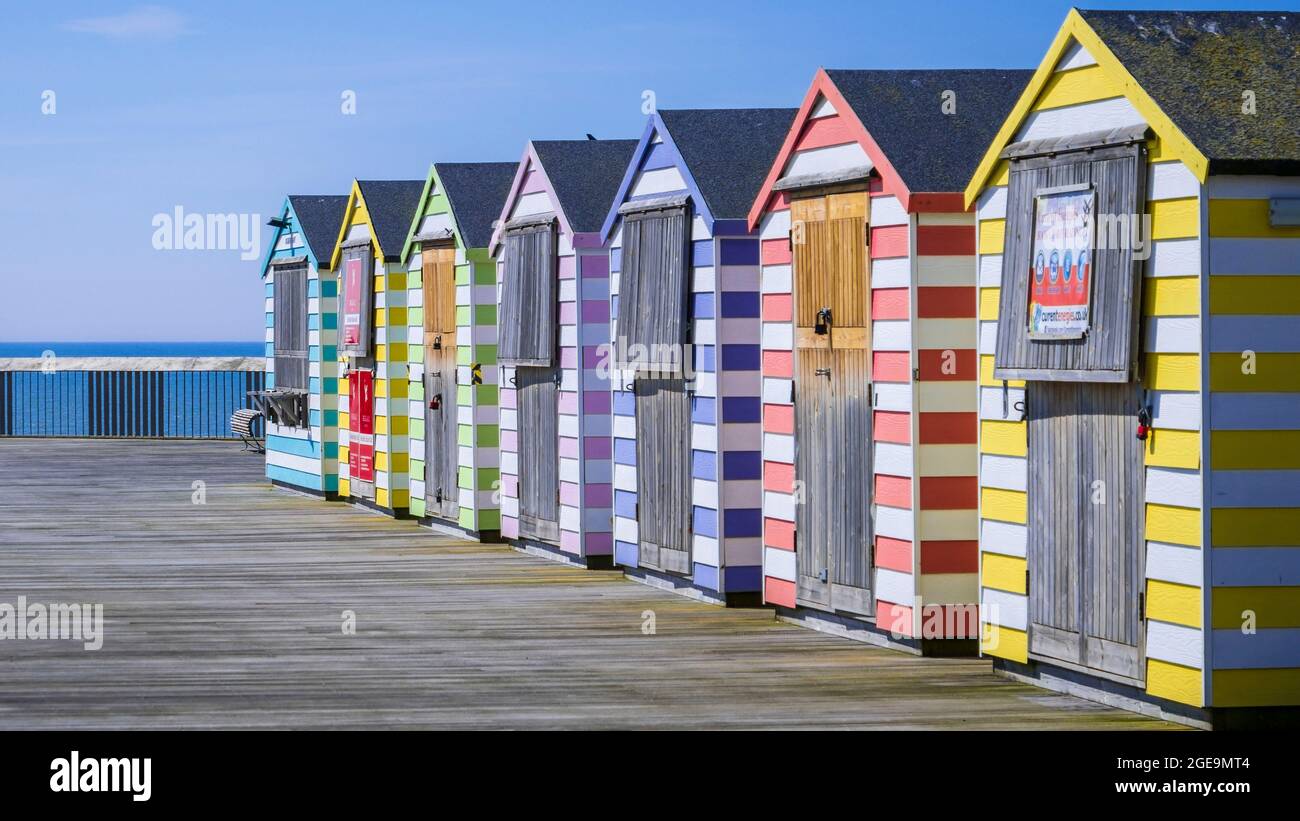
1108, 351
1086, 551
539, 458
438, 271
528, 296
290, 317
654, 283
829, 241
663, 473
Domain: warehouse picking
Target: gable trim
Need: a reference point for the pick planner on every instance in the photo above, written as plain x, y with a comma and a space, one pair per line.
527, 161
655, 127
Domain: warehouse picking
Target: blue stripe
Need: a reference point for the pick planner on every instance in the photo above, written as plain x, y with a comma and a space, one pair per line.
625, 554
293, 447
743, 523
659, 155
704, 464
702, 305
741, 357
732, 228
625, 504
705, 358
738, 252
742, 464
624, 452
704, 521
293, 477
624, 403
743, 578
615, 260
740, 304
704, 410
705, 576
702, 252
742, 408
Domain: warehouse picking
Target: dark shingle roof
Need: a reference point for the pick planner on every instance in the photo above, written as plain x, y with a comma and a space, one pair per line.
586, 175
902, 110
476, 191
728, 151
1195, 65
320, 218
391, 204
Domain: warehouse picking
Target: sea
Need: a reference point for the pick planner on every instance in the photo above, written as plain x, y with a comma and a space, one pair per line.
62, 349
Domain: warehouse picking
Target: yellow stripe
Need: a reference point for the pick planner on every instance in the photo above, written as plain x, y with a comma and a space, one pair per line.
1279, 372
1171, 296
397, 316
1256, 688
379, 283
1173, 449
1173, 371
1174, 682
1004, 642
989, 302
1254, 526
986, 375
1245, 218
401, 462
381, 461
401, 497
400, 425
1174, 219
1175, 525
1004, 438
1080, 85
345, 488
1004, 505
1174, 603
992, 236
1254, 449
1271, 606
381, 496
1002, 174
381, 423
1003, 573
1255, 295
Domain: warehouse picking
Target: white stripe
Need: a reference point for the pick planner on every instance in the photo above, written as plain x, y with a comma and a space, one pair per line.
1166, 334
1076, 56
993, 399
939, 334
887, 211
890, 335
778, 447
1167, 486
1175, 563
775, 225
892, 586
992, 204
892, 396
945, 270
1174, 258
776, 279
891, 459
779, 564
830, 158
658, 181
1006, 538
1006, 472
1252, 187
895, 272
1100, 115
1170, 181
990, 271
1175, 643
1003, 608
1175, 410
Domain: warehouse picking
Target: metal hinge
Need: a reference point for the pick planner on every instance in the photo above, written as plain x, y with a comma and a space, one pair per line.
1026, 581
916, 373
789, 240
791, 391
822, 576
1142, 605
636, 511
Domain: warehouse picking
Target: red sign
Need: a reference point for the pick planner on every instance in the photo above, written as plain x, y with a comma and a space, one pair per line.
361, 425
352, 303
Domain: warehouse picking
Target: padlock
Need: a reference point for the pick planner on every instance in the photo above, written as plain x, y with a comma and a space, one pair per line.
1144, 424
436, 402
823, 322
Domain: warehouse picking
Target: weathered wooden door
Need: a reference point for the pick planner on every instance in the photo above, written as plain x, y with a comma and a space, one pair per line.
663, 471
361, 434
832, 337
539, 459
1086, 545
438, 273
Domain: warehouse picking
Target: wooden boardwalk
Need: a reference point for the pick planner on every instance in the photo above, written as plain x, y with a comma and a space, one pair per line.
229, 615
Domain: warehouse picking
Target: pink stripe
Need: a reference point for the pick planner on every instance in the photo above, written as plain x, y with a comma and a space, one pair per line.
567, 267
508, 397
568, 357
595, 310
568, 313
569, 494
509, 527
570, 542
593, 356
598, 447
568, 447
600, 544
510, 485
599, 495
597, 402
595, 266
569, 403
534, 182
510, 441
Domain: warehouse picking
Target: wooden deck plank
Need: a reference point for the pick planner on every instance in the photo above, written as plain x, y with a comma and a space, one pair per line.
228, 615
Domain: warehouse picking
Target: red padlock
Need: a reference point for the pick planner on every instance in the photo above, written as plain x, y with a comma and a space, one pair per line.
1144, 424
436, 402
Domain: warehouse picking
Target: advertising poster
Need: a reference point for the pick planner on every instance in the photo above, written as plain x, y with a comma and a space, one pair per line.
352, 303
1060, 263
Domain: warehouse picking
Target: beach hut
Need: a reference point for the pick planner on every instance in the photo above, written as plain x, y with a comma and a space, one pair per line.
374, 415
452, 339
552, 320
1139, 250
868, 338
684, 357
300, 403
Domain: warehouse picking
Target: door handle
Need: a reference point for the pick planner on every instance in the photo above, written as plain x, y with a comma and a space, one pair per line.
823, 371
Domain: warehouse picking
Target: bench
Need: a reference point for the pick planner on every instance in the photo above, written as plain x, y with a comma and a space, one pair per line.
241, 423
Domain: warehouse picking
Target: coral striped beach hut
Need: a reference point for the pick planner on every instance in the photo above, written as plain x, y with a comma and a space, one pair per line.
556, 481
685, 356
1140, 435
869, 370
300, 402
451, 345
374, 456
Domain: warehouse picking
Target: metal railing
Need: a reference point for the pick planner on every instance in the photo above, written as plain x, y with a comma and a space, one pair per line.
170, 401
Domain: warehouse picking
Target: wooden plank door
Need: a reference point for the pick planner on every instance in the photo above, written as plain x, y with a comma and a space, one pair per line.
663, 470
438, 274
361, 434
829, 242
1086, 548
539, 460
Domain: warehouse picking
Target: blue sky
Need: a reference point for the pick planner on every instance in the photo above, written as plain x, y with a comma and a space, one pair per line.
226, 107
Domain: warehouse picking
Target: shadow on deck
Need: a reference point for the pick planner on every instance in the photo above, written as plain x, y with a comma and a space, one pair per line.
229, 614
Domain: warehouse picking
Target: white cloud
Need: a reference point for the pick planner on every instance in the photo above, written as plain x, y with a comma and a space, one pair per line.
156, 22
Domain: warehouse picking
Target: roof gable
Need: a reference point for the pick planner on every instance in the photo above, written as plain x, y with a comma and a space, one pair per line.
390, 205
319, 217
474, 192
